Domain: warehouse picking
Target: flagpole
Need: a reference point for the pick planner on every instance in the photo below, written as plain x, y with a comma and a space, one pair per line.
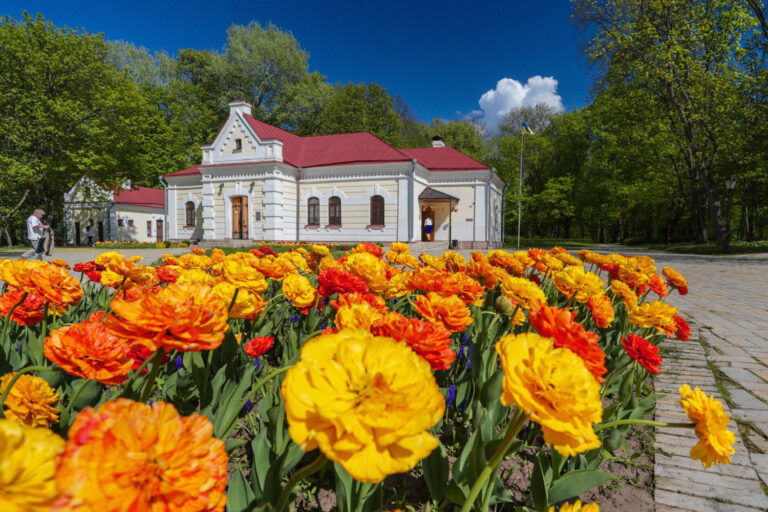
520, 190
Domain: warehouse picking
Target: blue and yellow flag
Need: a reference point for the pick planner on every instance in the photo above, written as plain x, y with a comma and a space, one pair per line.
527, 128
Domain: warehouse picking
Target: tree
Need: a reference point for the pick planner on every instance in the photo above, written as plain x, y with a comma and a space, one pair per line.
537, 117
461, 135
66, 111
687, 55
260, 64
361, 108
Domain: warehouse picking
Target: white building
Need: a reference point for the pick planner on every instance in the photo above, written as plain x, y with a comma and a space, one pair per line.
124, 214
259, 182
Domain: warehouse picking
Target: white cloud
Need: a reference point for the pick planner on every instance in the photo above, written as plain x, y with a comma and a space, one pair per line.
509, 94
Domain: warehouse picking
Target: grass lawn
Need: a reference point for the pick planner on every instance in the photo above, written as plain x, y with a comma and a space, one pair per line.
547, 243
693, 248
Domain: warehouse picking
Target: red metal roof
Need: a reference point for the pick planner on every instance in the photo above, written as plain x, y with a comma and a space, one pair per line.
321, 150
348, 148
444, 159
141, 196
189, 171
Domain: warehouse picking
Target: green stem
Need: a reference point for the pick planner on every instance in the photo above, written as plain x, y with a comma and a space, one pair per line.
513, 428
152, 374
612, 376
652, 423
28, 369
129, 384
308, 470
234, 298
250, 395
8, 317
74, 397
45, 321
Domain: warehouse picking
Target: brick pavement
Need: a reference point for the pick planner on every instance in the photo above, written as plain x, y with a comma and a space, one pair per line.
728, 308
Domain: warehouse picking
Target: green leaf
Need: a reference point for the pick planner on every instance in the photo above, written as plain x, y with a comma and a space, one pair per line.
239, 495
574, 483
539, 486
89, 395
435, 469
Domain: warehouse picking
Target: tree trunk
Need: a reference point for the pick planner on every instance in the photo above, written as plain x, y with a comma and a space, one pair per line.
4, 220
719, 221
8, 240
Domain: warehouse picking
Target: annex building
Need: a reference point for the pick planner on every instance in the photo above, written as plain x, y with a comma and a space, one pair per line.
258, 182
124, 214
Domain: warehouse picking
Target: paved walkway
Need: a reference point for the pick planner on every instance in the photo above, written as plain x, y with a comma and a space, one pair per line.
728, 308
83, 254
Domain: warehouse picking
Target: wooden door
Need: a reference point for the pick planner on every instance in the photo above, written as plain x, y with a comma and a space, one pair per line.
77, 233
159, 229
240, 217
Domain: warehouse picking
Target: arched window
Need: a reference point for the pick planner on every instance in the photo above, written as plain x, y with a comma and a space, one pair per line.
190, 206
377, 211
313, 211
334, 211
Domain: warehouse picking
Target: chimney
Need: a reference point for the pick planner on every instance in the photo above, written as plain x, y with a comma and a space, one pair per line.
240, 106
437, 142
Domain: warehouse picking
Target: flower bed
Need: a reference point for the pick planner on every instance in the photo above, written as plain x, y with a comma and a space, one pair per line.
242, 380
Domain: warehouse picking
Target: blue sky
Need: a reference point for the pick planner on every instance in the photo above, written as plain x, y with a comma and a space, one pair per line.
441, 57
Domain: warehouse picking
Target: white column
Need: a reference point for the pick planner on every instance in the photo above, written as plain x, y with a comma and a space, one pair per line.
480, 212
402, 210
273, 208
170, 208
209, 224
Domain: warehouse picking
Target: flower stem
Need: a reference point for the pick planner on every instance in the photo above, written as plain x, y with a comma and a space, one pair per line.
152, 374
231, 422
309, 469
8, 319
652, 423
129, 384
612, 376
513, 428
28, 369
77, 394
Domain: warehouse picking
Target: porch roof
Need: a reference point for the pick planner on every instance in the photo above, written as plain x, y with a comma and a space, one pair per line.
432, 194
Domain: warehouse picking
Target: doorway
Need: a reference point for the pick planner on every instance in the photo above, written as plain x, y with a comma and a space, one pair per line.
159, 229
77, 233
240, 217
101, 231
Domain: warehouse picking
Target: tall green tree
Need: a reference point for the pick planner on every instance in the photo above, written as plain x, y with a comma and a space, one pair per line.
688, 55
361, 108
461, 135
260, 64
65, 111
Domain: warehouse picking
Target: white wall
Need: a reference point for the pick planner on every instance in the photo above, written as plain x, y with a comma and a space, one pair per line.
140, 215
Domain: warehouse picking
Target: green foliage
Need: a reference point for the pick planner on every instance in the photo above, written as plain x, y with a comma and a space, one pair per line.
65, 110
361, 108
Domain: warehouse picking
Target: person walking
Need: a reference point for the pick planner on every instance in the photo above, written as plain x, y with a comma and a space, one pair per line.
89, 234
35, 230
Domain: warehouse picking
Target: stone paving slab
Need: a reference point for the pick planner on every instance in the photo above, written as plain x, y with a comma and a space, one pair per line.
728, 308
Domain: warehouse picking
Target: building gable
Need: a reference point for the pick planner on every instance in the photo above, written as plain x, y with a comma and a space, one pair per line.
238, 142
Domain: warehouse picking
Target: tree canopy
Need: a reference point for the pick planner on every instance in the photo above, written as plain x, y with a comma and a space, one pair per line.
679, 105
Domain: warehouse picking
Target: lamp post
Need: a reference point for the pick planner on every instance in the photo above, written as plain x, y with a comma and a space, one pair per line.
730, 184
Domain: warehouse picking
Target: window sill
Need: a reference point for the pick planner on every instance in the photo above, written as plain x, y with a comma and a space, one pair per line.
312, 226
190, 227
375, 226
333, 226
